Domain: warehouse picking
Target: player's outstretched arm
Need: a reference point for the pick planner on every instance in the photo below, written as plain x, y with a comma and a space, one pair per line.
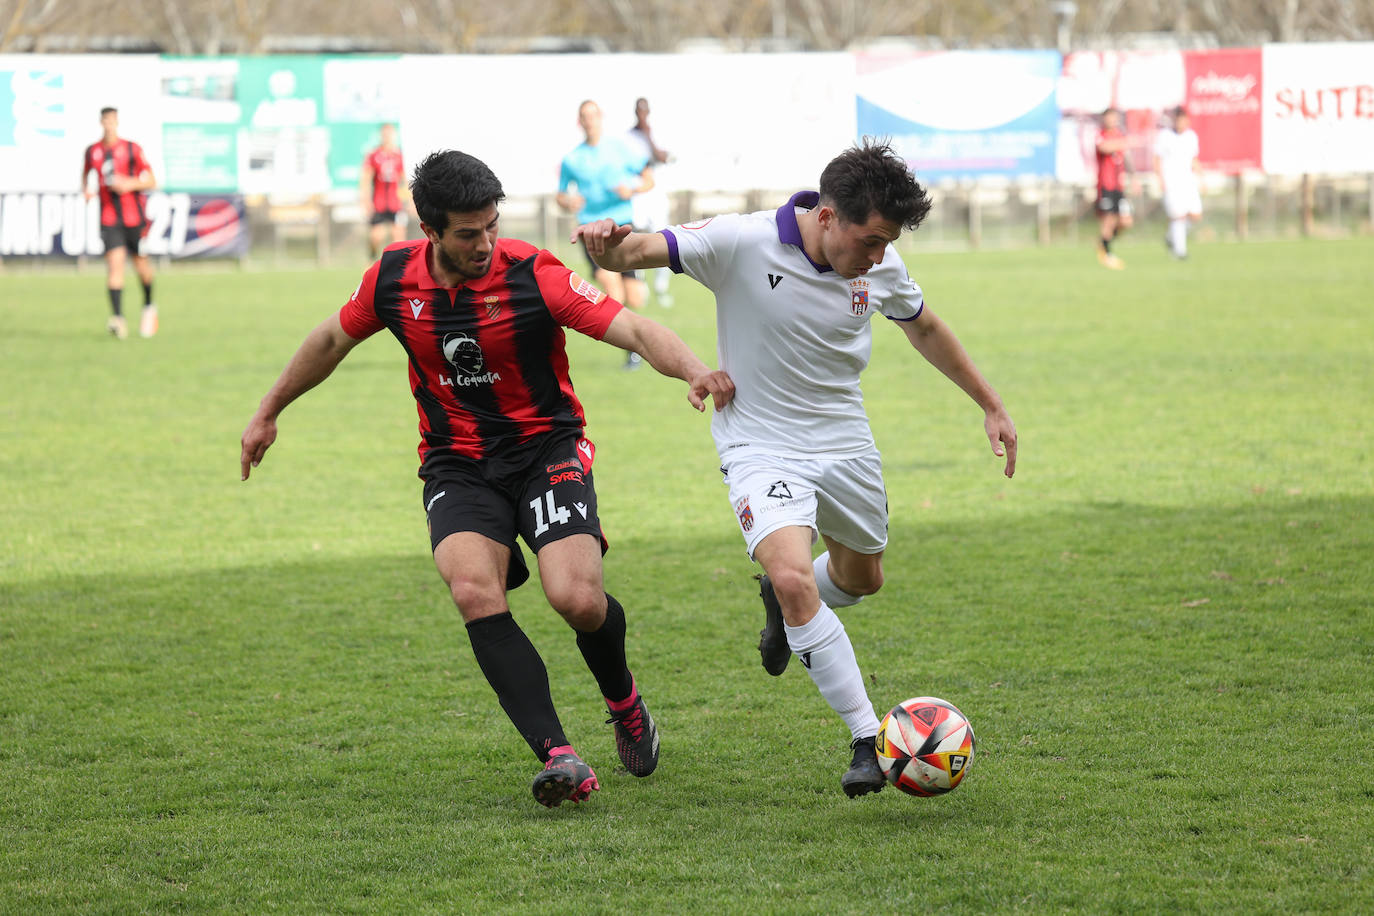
934, 340
318, 355
670, 356
620, 248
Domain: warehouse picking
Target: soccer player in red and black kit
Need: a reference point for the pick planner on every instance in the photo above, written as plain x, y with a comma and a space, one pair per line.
502, 452
1113, 208
381, 185
123, 178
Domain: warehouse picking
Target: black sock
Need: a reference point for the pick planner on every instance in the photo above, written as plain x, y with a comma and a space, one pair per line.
116, 300
604, 652
148, 293
1107, 245
517, 674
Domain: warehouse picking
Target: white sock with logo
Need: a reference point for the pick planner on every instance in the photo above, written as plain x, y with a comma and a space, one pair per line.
824, 648
831, 593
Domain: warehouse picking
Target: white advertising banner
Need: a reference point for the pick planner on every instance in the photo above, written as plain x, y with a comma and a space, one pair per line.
1139, 83
1318, 108
50, 112
732, 122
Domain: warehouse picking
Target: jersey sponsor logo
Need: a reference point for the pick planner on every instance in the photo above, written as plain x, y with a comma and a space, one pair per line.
493, 304
858, 297
416, 305
746, 515
565, 477
561, 466
586, 453
584, 288
581, 509
465, 355
774, 280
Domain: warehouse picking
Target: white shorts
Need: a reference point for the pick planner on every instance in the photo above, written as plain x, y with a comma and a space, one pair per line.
841, 498
1182, 198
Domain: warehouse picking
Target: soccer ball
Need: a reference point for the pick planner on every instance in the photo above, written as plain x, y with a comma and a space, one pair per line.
925, 746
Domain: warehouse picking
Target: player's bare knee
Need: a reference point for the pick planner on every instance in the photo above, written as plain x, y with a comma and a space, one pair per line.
866, 584
475, 598
581, 604
793, 586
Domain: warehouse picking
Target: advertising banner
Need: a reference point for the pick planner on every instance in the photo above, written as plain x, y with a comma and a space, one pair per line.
962, 114
732, 122
294, 125
50, 112
1142, 84
64, 224
1318, 108
1223, 101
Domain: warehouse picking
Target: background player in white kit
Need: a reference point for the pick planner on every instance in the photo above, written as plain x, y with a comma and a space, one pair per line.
1176, 163
795, 290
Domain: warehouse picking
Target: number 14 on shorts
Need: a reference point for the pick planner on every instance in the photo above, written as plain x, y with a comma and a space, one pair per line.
557, 515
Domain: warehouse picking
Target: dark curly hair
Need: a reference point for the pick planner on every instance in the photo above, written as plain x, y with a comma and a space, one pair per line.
452, 182
871, 178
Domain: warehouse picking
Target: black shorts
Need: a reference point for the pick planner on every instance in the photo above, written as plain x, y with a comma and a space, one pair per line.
384, 217
1111, 202
628, 274
541, 490
123, 237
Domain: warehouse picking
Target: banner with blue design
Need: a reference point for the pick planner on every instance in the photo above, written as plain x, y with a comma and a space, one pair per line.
963, 114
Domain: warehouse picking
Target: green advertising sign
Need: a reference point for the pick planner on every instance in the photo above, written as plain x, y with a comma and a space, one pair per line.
273, 125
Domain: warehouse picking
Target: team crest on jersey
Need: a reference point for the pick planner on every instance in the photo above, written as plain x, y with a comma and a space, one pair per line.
858, 297
746, 515
584, 288
465, 355
493, 304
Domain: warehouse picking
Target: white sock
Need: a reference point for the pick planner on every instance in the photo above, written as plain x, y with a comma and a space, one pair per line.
824, 648
1178, 236
831, 593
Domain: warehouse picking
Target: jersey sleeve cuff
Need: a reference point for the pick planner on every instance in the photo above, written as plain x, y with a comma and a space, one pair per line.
912, 318
674, 262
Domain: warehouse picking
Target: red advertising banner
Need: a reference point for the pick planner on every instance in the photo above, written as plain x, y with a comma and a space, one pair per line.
1223, 93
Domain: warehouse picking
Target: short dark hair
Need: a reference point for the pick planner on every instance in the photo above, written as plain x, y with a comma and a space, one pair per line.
869, 178
452, 182
108, 110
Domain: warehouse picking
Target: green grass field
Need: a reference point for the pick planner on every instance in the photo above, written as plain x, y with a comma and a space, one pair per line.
250, 697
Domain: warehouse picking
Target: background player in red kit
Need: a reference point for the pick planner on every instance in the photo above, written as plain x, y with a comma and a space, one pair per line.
481, 319
383, 192
123, 177
1113, 209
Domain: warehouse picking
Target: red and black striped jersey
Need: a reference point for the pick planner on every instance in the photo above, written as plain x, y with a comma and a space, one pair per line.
488, 364
124, 158
388, 171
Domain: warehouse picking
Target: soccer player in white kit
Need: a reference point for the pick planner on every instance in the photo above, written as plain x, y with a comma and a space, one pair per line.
1176, 163
795, 291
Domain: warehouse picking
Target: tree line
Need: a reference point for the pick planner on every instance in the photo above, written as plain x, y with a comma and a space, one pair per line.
212, 27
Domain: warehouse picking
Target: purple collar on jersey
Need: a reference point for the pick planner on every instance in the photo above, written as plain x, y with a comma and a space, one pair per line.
789, 233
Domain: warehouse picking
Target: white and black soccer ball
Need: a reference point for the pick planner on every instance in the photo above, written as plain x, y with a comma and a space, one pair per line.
925, 746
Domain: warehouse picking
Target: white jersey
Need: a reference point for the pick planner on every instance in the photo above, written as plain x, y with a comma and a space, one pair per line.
793, 336
650, 207
1176, 152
